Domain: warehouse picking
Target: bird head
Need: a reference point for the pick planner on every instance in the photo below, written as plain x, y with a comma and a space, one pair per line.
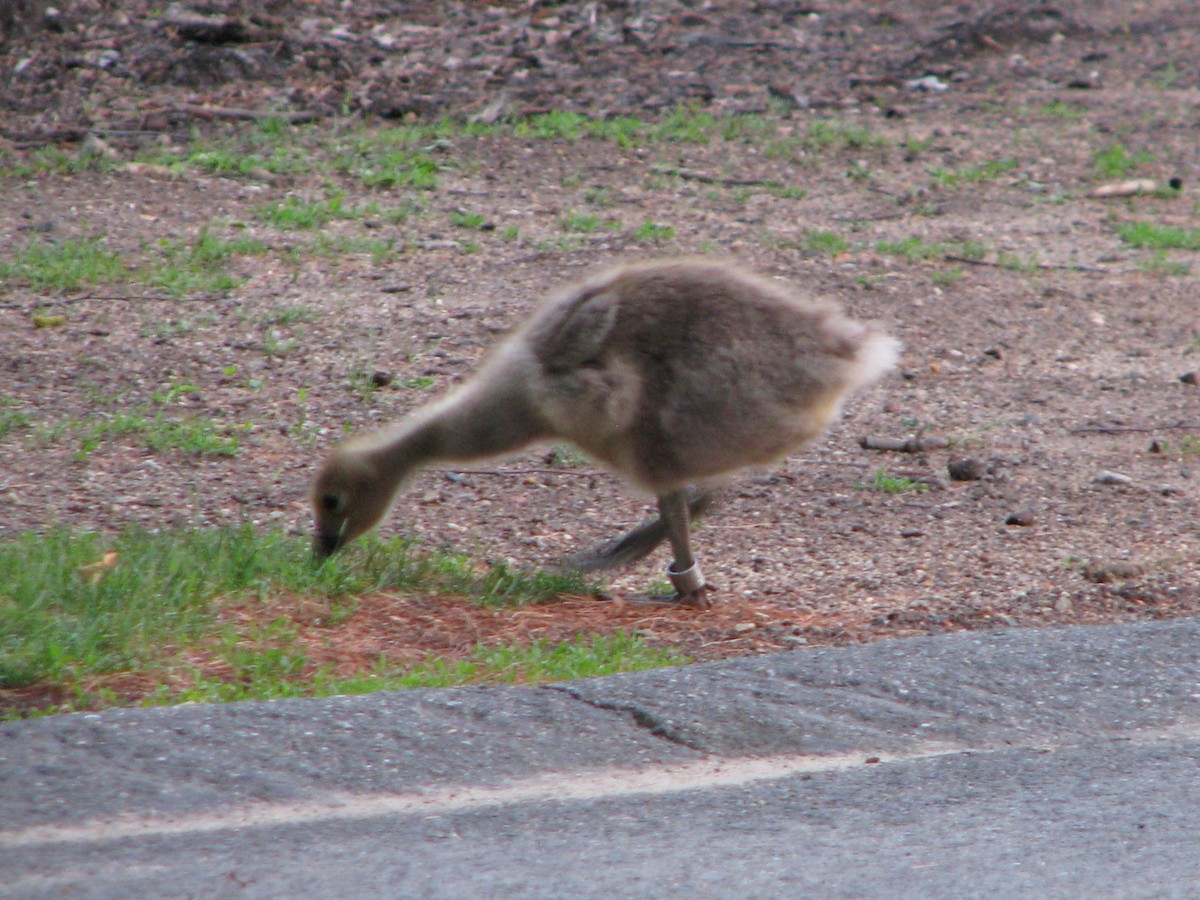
347, 500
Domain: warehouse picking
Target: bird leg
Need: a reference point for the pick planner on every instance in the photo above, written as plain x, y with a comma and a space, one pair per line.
638, 543
684, 572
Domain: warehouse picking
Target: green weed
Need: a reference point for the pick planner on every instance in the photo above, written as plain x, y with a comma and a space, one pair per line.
653, 232
1159, 237
1117, 161
827, 243
65, 266
890, 484
986, 171
69, 612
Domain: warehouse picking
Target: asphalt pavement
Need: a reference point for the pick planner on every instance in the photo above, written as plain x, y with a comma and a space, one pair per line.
1059, 762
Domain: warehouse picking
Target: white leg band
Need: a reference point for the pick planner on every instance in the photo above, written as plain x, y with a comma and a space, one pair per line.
687, 581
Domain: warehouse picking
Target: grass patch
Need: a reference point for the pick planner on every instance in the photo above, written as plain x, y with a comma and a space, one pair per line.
827, 243
12, 419
230, 162
915, 249
583, 657
892, 484
1157, 264
201, 266
201, 435
986, 171
1060, 109
293, 213
653, 232
1159, 237
65, 266
1117, 161
587, 223
378, 167
78, 606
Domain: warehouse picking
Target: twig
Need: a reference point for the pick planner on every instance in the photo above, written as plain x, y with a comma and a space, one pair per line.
253, 115
914, 444
61, 301
504, 473
705, 178
1046, 267
1134, 429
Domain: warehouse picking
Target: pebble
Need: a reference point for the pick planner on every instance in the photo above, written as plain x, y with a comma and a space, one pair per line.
970, 468
1107, 477
1022, 517
930, 83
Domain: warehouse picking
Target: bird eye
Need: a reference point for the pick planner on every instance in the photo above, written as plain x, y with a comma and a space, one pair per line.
331, 502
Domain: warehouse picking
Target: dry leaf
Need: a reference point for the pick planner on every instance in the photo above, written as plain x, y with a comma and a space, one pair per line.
93, 572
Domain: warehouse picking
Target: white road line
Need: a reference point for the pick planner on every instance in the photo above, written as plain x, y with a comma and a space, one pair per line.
584, 785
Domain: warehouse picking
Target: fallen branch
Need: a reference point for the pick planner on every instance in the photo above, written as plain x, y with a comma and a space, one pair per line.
1135, 429
705, 178
251, 115
1045, 267
914, 444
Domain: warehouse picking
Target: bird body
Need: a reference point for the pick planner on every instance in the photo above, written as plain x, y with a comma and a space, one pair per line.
672, 373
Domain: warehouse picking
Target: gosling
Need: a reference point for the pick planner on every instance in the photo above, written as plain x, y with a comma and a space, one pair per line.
672, 373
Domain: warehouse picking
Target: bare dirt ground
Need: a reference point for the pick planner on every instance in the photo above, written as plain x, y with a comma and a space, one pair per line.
1055, 357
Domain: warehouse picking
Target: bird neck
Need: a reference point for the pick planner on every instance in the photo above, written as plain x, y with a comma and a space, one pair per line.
481, 419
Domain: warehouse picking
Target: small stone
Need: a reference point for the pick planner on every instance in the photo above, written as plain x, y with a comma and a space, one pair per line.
381, 379
1022, 517
97, 147
1107, 477
912, 533
994, 352
743, 627
1188, 378
1063, 605
1104, 571
970, 468
929, 83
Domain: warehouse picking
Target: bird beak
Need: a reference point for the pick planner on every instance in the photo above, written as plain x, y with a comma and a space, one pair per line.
326, 543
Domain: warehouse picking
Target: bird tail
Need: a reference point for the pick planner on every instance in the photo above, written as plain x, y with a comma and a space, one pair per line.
876, 356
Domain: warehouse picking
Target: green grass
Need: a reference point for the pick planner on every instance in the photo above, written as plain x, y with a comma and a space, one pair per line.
229, 161
915, 249
653, 232
198, 267
65, 266
1159, 237
1060, 109
587, 223
827, 243
158, 604
385, 168
583, 657
293, 213
991, 169
470, 220
1157, 264
1117, 161
200, 435
272, 672
891, 484
12, 419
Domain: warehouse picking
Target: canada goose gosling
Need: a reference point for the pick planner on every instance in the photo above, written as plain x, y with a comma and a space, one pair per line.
673, 373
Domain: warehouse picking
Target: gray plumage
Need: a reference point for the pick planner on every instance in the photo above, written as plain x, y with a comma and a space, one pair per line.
672, 373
